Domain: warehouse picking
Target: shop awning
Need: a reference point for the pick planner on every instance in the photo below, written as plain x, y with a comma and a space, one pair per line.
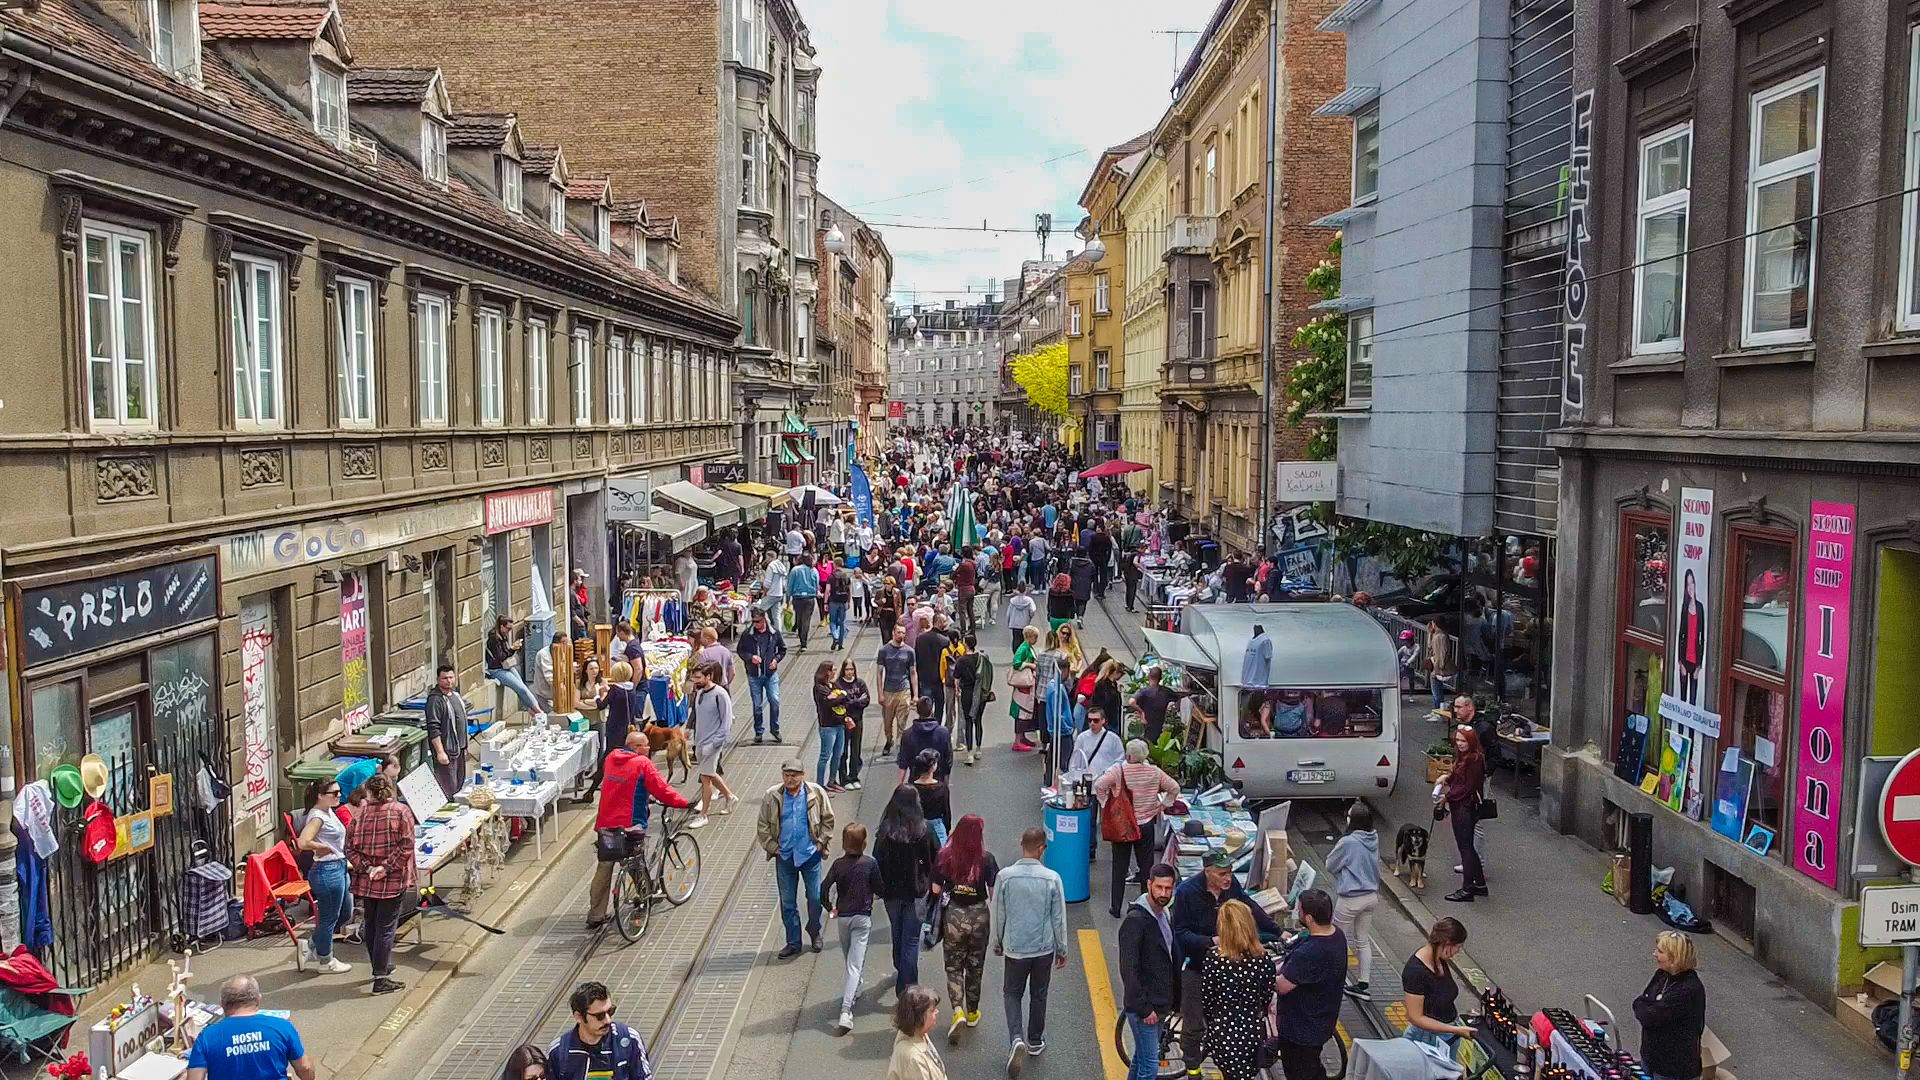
787, 456
752, 507
806, 453
766, 491
699, 502
1179, 649
795, 426
679, 531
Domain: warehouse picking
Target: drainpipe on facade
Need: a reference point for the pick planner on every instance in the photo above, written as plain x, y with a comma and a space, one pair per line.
1266, 470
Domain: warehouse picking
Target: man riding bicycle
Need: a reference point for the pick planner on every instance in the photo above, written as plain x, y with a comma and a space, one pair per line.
1196, 925
620, 823
1311, 981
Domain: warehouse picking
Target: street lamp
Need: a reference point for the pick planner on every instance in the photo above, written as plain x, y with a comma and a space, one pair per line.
1033, 321
1053, 300
836, 241
1094, 253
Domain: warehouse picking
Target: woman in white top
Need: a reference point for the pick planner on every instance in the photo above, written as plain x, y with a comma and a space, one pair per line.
325, 837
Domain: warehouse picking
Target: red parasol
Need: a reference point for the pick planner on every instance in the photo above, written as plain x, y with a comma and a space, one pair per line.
1116, 467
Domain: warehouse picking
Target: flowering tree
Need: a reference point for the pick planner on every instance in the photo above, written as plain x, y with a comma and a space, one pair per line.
1042, 373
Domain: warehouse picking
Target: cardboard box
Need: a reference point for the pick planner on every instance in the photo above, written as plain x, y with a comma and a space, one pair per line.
1883, 982
1622, 878
1278, 852
1713, 1054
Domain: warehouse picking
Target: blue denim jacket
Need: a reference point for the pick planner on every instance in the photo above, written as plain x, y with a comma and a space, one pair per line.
1029, 911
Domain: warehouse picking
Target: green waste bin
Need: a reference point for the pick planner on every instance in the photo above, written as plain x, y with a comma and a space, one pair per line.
379, 740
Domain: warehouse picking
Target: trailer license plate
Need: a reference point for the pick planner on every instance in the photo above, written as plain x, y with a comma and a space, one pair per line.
1309, 776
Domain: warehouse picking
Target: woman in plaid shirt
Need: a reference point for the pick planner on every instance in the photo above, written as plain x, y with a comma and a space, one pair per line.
380, 861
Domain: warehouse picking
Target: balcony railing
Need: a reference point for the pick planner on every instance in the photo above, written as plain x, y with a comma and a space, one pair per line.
1191, 232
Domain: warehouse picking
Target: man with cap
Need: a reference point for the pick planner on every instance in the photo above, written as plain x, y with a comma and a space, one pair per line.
579, 607
1196, 919
795, 829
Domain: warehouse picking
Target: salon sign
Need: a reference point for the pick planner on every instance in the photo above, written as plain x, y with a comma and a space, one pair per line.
1826, 646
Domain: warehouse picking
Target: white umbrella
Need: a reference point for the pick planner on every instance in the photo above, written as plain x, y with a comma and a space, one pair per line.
821, 496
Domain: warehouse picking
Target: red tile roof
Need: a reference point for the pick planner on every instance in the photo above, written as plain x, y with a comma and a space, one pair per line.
539, 160
263, 20
589, 187
65, 26
403, 86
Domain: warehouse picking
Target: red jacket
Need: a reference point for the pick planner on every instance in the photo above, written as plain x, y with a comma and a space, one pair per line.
629, 779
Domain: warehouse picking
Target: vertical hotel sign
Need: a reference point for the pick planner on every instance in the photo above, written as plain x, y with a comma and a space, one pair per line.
1825, 647
1575, 188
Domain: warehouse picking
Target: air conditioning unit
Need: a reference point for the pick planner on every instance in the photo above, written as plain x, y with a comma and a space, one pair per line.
362, 149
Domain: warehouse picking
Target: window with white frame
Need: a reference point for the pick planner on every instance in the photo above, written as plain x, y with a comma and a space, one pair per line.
537, 371
1366, 154
1360, 358
176, 36
1073, 318
557, 209
681, 412
602, 229
1100, 295
616, 380
510, 196
433, 150
1211, 192
1074, 381
1102, 369
258, 375
662, 382
118, 278
354, 302
329, 102
1783, 195
1909, 316
1199, 299
637, 366
1660, 261
743, 43
803, 225
580, 369
430, 347
725, 364
492, 362
749, 166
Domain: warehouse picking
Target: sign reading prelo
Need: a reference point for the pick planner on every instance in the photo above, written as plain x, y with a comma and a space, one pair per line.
1890, 915
64, 620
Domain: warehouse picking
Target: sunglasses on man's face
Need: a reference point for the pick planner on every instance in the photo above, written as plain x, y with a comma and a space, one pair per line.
603, 1014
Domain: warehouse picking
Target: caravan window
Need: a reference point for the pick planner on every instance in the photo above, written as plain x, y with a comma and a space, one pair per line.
1309, 714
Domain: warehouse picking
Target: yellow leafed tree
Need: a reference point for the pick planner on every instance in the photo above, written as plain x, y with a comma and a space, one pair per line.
1042, 373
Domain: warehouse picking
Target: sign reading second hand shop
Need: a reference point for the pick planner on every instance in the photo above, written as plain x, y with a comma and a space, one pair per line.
58, 621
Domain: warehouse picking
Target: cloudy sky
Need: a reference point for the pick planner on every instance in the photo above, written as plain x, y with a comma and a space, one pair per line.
973, 99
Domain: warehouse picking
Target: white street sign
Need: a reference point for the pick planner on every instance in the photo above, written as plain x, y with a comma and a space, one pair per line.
1890, 915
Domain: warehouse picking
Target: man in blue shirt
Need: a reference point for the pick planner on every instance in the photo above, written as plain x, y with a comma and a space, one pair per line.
803, 591
244, 1045
795, 827
596, 1047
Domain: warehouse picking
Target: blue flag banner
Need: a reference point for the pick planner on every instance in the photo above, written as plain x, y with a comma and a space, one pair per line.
862, 496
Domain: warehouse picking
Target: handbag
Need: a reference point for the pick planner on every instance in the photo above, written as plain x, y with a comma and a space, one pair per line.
1117, 823
1022, 679
1486, 810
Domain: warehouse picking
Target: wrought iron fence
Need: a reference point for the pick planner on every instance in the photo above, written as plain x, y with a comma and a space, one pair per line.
110, 916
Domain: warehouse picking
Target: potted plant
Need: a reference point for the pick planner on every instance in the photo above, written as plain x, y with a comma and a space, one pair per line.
1439, 759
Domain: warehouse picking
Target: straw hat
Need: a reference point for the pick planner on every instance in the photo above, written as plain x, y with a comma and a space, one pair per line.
94, 775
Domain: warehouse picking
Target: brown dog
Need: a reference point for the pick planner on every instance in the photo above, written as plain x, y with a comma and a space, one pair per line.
672, 740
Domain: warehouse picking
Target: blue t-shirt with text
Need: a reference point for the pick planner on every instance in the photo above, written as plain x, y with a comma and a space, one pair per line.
252, 1047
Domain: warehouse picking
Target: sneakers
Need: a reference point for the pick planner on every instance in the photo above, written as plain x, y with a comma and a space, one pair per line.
1358, 991
731, 802
953, 1028
387, 986
333, 965
1016, 1058
758, 740
1021, 746
303, 955
844, 1024
814, 944
698, 821
1034, 1047
973, 1018
853, 785
972, 756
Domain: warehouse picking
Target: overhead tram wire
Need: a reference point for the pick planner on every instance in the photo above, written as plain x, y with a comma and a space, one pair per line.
963, 183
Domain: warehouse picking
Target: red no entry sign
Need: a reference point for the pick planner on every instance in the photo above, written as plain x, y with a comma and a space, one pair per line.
1900, 809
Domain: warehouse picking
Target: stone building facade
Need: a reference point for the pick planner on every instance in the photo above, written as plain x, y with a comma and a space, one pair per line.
1096, 317
1143, 206
319, 385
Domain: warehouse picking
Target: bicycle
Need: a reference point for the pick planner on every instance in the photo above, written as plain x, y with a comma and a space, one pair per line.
671, 871
1173, 1062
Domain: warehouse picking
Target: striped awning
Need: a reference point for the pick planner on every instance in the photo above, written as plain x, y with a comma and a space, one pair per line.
1349, 101
793, 425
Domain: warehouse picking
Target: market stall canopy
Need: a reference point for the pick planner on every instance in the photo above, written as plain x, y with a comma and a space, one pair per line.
795, 426
774, 495
1180, 649
752, 507
1315, 646
821, 496
1116, 467
678, 530
699, 502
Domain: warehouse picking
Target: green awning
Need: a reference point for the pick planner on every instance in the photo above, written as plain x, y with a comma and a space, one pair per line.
787, 456
795, 426
806, 455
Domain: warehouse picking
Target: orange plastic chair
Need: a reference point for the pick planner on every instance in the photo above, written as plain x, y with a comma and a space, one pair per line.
273, 880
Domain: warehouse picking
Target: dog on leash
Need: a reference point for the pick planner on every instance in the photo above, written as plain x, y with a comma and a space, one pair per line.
674, 743
1410, 856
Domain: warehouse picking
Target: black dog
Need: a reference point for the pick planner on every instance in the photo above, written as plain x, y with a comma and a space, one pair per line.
1410, 855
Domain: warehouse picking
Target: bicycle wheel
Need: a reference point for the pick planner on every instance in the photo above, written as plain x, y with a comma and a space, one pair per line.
632, 902
1335, 1059
678, 869
1173, 1064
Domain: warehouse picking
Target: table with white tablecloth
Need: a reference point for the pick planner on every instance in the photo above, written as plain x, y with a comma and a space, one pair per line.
521, 799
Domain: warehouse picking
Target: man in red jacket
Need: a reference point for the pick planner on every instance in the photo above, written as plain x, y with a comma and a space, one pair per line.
630, 777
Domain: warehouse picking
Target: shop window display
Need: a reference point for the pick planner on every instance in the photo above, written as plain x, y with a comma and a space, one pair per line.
1750, 773
1309, 714
1640, 735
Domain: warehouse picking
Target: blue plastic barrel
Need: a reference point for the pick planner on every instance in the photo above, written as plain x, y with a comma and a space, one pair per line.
1069, 848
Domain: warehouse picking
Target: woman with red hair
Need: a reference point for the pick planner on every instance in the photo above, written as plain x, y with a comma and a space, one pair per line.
964, 875
1462, 793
